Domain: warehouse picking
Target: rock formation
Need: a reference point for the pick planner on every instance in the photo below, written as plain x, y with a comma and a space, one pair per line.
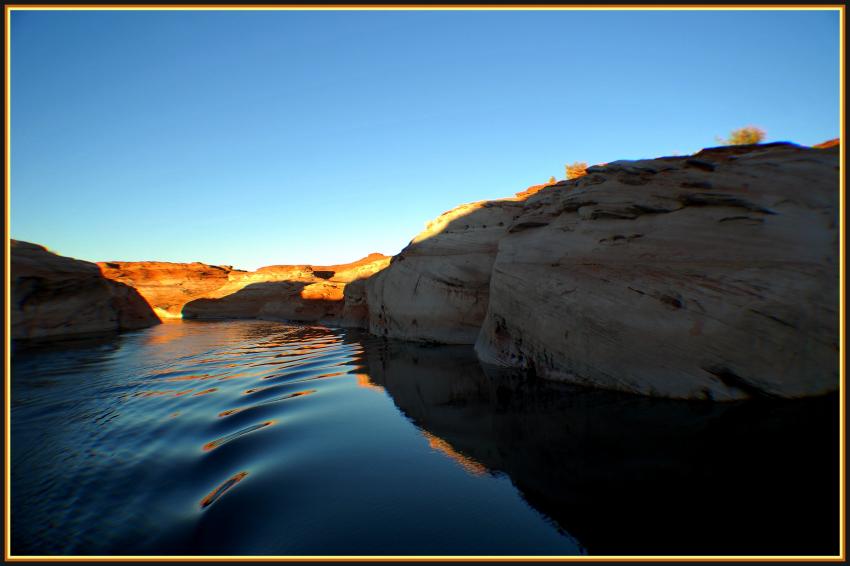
712, 276
437, 288
828, 144
285, 292
168, 286
291, 292
57, 297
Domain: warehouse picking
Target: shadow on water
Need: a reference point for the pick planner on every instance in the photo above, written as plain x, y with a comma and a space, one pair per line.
629, 475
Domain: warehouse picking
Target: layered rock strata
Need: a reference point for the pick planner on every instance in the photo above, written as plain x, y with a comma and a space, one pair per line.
298, 293
712, 276
168, 286
437, 288
53, 296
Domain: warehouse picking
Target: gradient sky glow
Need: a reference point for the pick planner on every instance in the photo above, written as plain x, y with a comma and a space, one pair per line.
254, 138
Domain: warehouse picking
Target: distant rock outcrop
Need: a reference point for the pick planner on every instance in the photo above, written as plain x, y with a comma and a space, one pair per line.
303, 293
286, 292
168, 286
53, 296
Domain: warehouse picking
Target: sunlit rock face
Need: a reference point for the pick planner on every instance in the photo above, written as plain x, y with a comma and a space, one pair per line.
712, 276
56, 297
286, 292
437, 288
168, 286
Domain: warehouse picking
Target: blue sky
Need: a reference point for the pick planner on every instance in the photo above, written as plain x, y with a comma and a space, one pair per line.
254, 138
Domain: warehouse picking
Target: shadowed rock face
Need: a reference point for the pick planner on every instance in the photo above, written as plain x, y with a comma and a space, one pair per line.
437, 288
627, 474
57, 297
298, 293
286, 300
286, 292
713, 276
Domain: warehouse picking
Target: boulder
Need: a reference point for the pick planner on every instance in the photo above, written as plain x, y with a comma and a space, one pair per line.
53, 297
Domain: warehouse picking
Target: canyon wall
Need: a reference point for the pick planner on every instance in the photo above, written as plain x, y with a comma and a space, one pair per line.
712, 276
168, 286
298, 293
58, 297
278, 292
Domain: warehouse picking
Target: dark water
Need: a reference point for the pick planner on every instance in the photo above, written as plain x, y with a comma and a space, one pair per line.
261, 438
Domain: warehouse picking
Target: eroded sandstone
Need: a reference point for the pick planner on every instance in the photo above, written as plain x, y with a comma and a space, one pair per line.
437, 288
284, 292
168, 286
53, 296
712, 276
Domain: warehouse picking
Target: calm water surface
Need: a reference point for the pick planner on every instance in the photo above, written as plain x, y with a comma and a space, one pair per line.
253, 437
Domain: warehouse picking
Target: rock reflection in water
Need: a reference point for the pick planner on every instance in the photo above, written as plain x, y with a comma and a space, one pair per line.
628, 475
302, 450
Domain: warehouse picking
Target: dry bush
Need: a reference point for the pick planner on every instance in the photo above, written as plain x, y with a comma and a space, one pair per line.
744, 136
576, 170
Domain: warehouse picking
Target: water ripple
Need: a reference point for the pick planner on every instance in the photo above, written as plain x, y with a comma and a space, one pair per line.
231, 437
215, 494
113, 448
229, 412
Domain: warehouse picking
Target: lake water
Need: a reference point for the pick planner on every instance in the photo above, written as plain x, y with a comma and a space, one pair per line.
264, 438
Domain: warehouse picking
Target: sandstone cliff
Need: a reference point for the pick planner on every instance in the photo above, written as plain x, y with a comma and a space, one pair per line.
55, 297
292, 292
709, 276
168, 286
286, 292
437, 288
713, 276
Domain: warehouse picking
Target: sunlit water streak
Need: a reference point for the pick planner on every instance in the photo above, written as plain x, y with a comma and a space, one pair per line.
241, 437
264, 438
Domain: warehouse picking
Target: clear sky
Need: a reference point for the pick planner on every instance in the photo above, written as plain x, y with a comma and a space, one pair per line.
254, 138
